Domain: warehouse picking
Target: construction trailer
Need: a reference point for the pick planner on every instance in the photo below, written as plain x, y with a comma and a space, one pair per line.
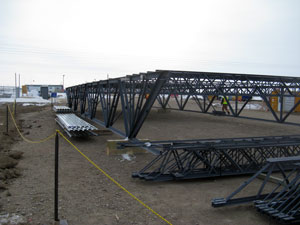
51, 88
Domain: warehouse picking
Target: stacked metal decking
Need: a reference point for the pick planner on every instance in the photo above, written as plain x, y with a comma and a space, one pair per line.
75, 126
62, 109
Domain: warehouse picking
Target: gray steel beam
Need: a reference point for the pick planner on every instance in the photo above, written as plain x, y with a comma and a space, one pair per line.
189, 83
161, 80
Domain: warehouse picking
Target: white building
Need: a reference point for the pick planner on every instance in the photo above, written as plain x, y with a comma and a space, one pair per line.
37, 87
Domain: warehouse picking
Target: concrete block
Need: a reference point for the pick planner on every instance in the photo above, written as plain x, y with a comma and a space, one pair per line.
112, 148
61, 222
103, 132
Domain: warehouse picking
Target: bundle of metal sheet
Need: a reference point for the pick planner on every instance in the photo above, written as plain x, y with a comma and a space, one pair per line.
62, 109
276, 197
75, 126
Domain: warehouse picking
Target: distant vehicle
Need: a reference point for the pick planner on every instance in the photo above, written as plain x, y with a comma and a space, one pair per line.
4, 95
246, 98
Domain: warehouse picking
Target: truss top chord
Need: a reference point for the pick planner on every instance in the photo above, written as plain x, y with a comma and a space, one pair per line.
284, 159
225, 143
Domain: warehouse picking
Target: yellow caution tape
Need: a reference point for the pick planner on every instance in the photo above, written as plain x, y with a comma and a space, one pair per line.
24, 138
114, 181
95, 165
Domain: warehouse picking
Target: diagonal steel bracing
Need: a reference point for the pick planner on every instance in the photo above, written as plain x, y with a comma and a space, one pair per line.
109, 99
92, 96
82, 96
143, 113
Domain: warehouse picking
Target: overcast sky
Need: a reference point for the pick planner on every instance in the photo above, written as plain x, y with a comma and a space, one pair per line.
86, 39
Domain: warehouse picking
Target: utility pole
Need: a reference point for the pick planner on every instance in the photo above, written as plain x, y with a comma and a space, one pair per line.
15, 86
15, 105
63, 81
19, 86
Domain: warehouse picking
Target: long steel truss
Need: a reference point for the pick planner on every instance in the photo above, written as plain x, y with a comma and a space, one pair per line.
283, 201
184, 86
191, 159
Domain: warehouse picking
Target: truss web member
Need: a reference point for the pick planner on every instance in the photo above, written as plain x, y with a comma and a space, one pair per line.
224, 103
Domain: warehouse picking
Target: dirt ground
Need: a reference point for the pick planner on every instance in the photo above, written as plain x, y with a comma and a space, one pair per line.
87, 197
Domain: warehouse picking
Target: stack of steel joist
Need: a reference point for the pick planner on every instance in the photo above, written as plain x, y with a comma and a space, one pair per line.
191, 159
285, 205
62, 109
282, 203
75, 126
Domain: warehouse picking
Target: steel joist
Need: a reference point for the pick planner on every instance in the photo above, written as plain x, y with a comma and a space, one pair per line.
280, 201
193, 159
183, 86
131, 91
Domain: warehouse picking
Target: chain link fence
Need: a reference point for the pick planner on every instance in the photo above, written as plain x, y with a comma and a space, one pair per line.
9, 92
